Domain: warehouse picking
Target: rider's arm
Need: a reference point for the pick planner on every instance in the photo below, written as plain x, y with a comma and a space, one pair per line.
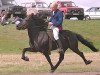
57, 19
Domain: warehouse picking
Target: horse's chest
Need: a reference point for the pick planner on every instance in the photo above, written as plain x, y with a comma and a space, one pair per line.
40, 39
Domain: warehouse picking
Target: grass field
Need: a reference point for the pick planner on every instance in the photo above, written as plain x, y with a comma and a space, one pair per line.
13, 41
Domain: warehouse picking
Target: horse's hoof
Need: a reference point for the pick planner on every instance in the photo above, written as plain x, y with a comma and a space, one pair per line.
25, 58
96, 50
88, 62
52, 71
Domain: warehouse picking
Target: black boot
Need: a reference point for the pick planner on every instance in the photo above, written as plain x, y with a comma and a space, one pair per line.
60, 46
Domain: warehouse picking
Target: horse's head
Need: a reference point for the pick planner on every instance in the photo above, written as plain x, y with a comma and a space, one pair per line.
31, 21
21, 24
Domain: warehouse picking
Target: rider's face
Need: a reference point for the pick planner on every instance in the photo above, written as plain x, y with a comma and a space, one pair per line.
53, 7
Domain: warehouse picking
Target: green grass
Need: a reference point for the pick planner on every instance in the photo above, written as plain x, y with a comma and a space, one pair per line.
88, 29
13, 41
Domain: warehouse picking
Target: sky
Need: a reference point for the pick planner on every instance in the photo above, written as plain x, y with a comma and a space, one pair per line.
80, 3
87, 3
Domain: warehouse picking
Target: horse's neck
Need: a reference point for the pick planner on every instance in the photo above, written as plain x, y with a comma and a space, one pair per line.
32, 33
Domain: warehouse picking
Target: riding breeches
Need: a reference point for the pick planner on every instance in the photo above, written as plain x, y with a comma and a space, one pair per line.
55, 32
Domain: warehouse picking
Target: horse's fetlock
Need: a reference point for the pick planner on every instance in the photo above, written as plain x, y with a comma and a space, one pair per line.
81, 53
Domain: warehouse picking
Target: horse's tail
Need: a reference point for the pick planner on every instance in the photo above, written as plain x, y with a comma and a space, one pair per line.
86, 43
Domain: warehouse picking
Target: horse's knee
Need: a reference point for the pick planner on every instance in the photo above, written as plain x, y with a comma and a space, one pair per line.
77, 51
25, 49
80, 53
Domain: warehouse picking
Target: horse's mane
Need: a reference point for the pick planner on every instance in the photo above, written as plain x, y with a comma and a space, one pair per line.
38, 20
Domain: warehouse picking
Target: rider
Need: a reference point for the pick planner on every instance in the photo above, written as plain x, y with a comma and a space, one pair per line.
2, 15
55, 23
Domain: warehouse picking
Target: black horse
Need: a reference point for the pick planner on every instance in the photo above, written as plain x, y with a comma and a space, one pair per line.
41, 40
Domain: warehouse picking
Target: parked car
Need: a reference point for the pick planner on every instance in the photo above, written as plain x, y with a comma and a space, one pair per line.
13, 9
9, 11
19, 11
71, 10
36, 7
92, 13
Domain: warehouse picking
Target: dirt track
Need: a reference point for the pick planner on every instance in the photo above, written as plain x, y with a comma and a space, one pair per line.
71, 60
85, 73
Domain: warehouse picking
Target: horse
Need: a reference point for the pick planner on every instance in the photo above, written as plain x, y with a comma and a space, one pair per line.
41, 40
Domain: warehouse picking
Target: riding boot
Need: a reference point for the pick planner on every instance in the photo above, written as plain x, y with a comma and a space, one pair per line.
60, 46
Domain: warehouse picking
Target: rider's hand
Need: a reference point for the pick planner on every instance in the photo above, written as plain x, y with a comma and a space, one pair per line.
50, 23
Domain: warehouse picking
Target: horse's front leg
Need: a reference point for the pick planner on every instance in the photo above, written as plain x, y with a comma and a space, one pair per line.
23, 53
61, 57
48, 59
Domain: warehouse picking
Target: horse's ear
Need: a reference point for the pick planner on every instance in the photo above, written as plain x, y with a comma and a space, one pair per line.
32, 14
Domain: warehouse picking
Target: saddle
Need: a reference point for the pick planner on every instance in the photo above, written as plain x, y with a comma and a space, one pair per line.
51, 38
50, 34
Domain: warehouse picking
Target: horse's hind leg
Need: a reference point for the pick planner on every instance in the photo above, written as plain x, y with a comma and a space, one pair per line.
73, 41
83, 57
23, 53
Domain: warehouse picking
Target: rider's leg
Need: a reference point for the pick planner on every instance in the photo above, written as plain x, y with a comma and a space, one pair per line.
56, 36
60, 46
